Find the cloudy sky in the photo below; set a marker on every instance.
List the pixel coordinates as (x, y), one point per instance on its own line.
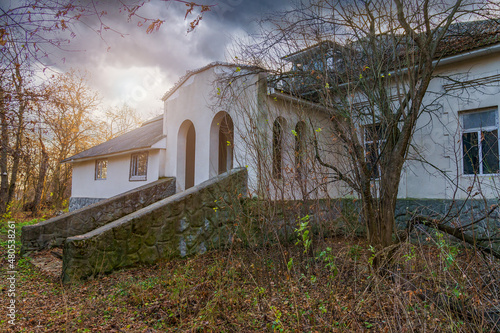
(139, 68)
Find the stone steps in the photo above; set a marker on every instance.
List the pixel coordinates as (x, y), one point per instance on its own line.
(53, 232)
(186, 223)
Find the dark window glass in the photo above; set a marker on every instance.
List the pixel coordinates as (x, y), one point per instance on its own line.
(479, 119)
(371, 151)
(471, 153)
(489, 145)
(300, 161)
(373, 145)
(373, 132)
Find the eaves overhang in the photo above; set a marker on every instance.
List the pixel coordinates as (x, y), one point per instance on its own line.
(98, 157)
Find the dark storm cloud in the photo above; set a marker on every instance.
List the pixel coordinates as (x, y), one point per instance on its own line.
(241, 13)
(207, 42)
(165, 54)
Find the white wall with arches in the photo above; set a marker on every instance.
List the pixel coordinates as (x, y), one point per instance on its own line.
(294, 175)
(191, 108)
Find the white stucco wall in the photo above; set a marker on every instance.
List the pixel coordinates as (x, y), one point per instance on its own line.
(291, 186)
(117, 181)
(438, 136)
(253, 111)
(194, 101)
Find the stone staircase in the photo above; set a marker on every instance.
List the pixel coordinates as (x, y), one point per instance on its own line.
(53, 232)
(142, 226)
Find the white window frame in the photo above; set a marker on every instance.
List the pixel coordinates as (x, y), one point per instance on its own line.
(479, 131)
(134, 168)
(101, 169)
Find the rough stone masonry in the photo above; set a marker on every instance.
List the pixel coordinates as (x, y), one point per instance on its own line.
(53, 232)
(186, 223)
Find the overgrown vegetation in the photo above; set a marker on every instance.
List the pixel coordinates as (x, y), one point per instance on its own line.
(317, 285)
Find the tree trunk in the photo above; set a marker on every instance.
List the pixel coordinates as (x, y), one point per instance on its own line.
(4, 185)
(380, 223)
(41, 180)
(16, 155)
(56, 186)
(456, 232)
(381, 220)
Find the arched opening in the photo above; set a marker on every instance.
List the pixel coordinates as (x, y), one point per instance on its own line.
(278, 131)
(226, 144)
(190, 155)
(221, 144)
(300, 143)
(186, 152)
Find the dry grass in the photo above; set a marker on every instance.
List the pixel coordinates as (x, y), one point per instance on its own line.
(436, 287)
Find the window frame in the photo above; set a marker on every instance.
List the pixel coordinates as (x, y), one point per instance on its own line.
(479, 131)
(134, 160)
(98, 170)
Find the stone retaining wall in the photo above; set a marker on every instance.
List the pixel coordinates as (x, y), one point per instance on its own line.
(54, 231)
(455, 213)
(465, 210)
(186, 223)
(344, 215)
(79, 202)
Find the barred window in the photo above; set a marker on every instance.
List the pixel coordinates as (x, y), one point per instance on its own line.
(480, 142)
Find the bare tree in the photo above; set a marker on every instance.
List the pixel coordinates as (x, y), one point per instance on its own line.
(30, 31)
(67, 116)
(119, 120)
(368, 66)
(40, 184)
(18, 96)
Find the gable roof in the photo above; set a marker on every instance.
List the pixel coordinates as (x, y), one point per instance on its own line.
(190, 73)
(143, 137)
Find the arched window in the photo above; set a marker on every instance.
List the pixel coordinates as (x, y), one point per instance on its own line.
(278, 130)
(300, 142)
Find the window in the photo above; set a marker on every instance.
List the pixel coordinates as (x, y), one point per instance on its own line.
(139, 166)
(373, 135)
(278, 148)
(300, 162)
(480, 142)
(101, 169)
